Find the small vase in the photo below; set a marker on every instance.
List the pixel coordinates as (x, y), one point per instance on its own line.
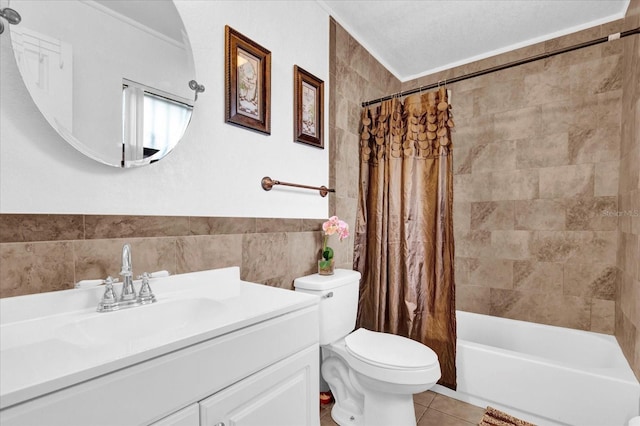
(325, 267)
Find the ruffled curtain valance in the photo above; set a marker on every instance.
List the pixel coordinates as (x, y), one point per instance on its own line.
(411, 129)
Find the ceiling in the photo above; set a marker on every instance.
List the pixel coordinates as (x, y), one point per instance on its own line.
(420, 37)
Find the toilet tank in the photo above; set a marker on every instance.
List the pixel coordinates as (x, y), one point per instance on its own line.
(338, 303)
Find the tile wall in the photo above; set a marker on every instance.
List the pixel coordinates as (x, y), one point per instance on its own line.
(41, 253)
(536, 173)
(355, 76)
(627, 315)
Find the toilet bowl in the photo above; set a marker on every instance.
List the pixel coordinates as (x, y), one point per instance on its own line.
(372, 375)
(377, 376)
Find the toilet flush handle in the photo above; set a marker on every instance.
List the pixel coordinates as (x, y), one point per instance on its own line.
(327, 295)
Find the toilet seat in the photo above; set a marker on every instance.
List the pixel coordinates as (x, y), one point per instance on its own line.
(389, 351)
(392, 365)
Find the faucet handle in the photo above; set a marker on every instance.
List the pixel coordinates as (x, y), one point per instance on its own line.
(109, 292)
(109, 300)
(145, 295)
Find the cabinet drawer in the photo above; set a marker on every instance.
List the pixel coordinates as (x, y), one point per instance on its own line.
(147, 392)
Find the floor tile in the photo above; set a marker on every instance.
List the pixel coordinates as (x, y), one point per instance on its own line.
(325, 408)
(419, 410)
(455, 408)
(436, 418)
(325, 415)
(424, 398)
(327, 421)
(431, 409)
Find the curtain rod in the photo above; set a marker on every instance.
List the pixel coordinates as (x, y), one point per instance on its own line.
(507, 65)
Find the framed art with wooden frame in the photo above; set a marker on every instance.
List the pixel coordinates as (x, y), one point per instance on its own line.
(248, 82)
(308, 107)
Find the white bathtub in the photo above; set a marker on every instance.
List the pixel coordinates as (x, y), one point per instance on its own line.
(544, 374)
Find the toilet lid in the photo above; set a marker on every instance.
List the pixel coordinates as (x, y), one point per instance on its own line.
(389, 350)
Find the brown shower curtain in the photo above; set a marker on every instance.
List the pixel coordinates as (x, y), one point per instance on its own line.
(404, 229)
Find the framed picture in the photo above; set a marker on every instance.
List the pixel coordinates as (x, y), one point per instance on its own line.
(248, 82)
(308, 107)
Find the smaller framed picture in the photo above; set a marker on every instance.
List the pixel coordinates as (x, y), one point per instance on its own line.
(248, 82)
(308, 107)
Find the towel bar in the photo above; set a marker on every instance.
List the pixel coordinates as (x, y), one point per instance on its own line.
(268, 183)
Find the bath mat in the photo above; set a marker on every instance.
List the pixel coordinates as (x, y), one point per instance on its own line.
(493, 417)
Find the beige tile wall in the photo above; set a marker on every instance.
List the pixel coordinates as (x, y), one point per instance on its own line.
(627, 313)
(536, 159)
(51, 252)
(355, 77)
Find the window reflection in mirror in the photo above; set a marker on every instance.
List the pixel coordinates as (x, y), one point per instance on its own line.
(152, 122)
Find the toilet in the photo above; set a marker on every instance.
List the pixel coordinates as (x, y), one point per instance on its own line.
(372, 375)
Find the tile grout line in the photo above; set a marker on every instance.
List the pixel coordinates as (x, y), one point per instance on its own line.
(451, 415)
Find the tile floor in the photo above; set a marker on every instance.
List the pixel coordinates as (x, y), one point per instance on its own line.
(432, 409)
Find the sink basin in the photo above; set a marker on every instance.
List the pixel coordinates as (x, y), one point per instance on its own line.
(143, 326)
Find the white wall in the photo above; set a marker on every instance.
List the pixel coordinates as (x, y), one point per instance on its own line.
(217, 168)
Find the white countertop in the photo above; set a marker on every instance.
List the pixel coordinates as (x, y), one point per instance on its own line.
(53, 340)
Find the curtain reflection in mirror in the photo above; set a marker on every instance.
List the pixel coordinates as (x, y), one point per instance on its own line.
(167, 121)
(132, 125)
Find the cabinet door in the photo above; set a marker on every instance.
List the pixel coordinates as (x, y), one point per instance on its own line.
(284, 394)
(189, 416)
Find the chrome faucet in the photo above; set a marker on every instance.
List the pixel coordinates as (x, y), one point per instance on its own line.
(128, 298)
(128, 295)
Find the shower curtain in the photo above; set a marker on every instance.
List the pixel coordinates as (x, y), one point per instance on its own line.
(404, 245)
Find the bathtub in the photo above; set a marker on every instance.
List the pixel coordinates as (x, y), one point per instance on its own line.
(544, 374)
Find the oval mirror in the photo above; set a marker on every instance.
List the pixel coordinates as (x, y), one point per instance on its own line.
(111, 76)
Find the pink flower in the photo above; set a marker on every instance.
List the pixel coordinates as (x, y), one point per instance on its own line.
(343, 230)
(330, 227)
(336, 226)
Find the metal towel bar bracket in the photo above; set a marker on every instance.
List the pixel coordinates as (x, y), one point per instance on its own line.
(268, 183)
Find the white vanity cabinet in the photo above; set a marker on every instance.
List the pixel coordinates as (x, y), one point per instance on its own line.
(276, 396)
(283, 394)
(189, 416)
(258, 367)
